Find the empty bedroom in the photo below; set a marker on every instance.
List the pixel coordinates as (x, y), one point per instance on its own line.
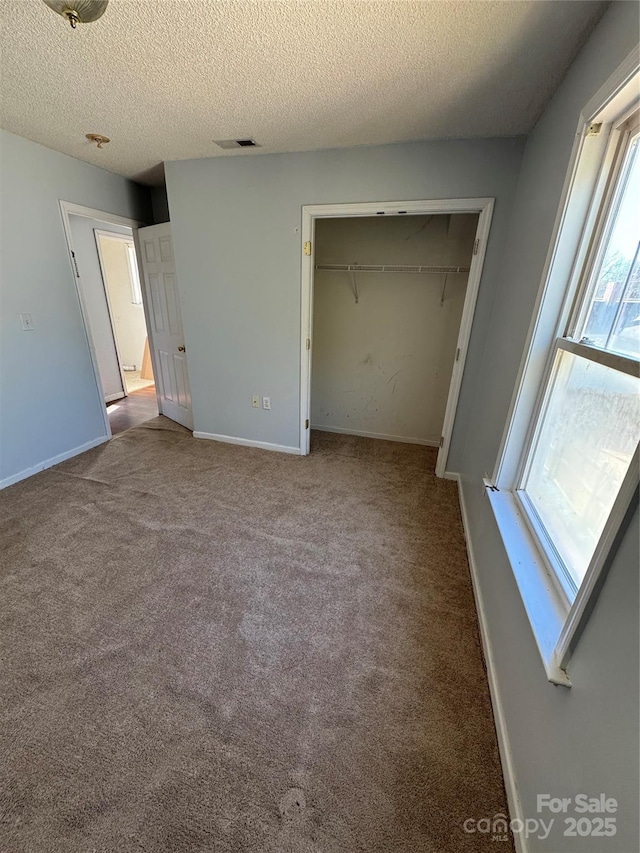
(319, 426)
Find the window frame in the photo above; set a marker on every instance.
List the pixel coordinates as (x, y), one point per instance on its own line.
(557, 612)
(627, 129)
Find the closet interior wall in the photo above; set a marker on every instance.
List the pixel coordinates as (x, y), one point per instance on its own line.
(382, 366)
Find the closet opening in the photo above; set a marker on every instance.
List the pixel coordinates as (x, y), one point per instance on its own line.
(388, 301)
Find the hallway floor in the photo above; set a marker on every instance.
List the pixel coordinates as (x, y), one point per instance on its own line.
(131, 411)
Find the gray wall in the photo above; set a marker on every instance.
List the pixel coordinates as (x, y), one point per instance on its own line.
(383, 366)
(48, 401)
(584, 739)
(160, 204)
(235, 224)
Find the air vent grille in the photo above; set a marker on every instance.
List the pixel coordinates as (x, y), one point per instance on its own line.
(236, 143)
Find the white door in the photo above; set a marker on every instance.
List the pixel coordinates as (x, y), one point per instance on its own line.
(165, 323)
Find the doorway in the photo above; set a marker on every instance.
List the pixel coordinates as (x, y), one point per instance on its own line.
(121, 279)
(387, 307)
(106, 263)
(123, 292)
(147, 281)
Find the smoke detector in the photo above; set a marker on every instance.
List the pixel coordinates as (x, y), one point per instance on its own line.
(236, 143)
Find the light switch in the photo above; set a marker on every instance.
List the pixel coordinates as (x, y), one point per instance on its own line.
(27, 322)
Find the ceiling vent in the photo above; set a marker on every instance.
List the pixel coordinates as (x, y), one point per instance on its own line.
(236, 143)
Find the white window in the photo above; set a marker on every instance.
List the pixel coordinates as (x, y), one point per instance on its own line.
(588, 424)
(569, 464)
(136, 290)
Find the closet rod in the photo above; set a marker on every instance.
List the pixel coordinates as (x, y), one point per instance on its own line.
(391, 268)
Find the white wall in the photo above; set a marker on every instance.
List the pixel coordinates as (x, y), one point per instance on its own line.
(584, 739)
(48, 400)
(383, 366)
(235, 224)
(84, 242)
(128, 317)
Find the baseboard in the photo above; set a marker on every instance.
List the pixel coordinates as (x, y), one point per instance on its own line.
(452, 475)
(401, 438)
(247, 442)
(504, 747)
(54, 460)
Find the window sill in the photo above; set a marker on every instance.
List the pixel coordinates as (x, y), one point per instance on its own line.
(546, 611)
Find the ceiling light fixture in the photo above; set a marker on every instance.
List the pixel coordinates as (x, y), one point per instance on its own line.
(78, 11)
(98, 138)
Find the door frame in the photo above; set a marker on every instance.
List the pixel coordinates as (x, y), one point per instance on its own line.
(68, 208)
(310, 213)
(113, 235)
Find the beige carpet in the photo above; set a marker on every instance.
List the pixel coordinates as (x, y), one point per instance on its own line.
(214, 648)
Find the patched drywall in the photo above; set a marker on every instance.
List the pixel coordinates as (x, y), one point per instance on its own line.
(382, 366)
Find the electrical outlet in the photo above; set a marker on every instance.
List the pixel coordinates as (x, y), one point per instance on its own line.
(27, 322)
(255, 401)
(266, 402)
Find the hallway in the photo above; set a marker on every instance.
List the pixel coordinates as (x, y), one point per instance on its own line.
(133, 410)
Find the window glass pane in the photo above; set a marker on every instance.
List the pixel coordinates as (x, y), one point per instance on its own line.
(613, 317)
(589, 433)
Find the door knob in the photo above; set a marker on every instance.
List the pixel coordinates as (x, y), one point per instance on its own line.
(182, 349)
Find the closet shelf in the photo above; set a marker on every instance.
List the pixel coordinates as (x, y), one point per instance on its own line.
(391, 268)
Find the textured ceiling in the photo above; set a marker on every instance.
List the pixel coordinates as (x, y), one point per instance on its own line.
(164, 79)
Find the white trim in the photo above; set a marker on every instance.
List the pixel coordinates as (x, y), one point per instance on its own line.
(584, 601)
(114, 235)
(464, 334)
(545, 607)
(525, 394)
(611, 88)
(54, 460)
(607, 358)
(451, 475)
(67, 209)
(100, 215)
(427, 442)
(247, 442)
(481, 206)
(504, 745)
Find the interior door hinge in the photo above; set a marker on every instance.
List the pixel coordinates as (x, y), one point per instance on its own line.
(308, 343)
(441, 441)
(476, 246)
(75, 264)
(458, 354)
(307, 247)
(306, 424)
